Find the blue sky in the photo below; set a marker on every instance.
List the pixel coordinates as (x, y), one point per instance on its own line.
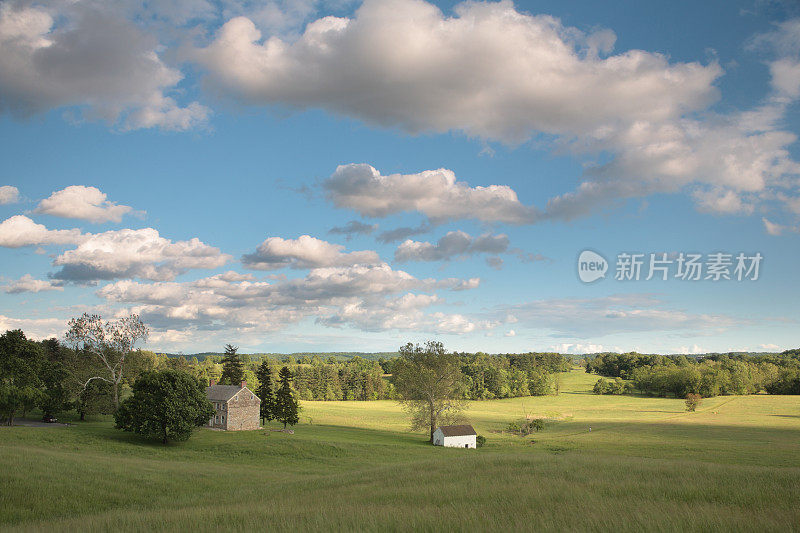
(188, 163)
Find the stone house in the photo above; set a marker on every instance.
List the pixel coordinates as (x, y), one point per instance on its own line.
(462, 436)
(236, 407)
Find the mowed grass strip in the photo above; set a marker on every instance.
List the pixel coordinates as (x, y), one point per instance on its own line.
(645, 465)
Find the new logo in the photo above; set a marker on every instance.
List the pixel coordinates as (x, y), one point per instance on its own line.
(591, 266)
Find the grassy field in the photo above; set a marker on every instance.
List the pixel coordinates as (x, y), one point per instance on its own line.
(734, 465)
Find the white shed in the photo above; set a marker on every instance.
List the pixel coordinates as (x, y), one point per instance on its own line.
(462, 436)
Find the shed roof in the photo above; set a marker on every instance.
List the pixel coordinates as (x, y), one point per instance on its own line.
(222, 393)
(457, 431)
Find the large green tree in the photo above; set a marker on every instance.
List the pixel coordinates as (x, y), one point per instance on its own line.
(21, 362)
(55, 378)
(165, 405)
(232, 366)
(286, 407)
(430, 384)
(264, 390)
(108, 342)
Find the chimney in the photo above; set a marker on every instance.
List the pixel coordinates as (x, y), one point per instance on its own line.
(243, 385)
(213, 382)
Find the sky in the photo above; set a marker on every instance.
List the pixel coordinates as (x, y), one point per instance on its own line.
(351, 176)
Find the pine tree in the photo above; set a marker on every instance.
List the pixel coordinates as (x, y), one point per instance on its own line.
(265, 392)
(286, 407)
(232, 367)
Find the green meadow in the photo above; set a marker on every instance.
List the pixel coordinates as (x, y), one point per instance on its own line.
(646, 464)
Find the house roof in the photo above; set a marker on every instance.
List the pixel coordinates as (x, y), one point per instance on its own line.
(457, 431)
(222, 393)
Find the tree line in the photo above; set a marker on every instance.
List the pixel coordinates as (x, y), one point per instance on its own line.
(714, 375)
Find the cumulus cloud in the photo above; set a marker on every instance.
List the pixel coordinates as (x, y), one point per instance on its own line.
(129, 253)
(721, 202)
(435, 193)
(8, 195)
(504, 75)
(368, 297)
(35, 328)
(81, 202)
(455, 244)
(499, 73)
(354, 227)
(20, 230)
(304, 252)
(85, 55)
(28, 283)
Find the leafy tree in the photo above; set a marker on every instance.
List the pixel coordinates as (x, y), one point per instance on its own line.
(286, 407)
(20, 364)
(692, 401)
(264, 390)
(166, 404)
(96, 398)
(232, 366)
(109, 342)
(539, 383)
(601, 386)
(430, 384)
(55, 378)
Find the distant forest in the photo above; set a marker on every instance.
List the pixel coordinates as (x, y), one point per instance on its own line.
(708, 375)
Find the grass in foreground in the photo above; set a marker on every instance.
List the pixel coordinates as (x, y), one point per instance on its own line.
(645, 464)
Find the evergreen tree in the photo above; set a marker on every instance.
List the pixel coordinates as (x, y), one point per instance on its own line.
(265, 392)
(232, 367)
(286, 407)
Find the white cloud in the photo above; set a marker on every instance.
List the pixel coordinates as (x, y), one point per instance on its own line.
(775, 229)
(368, 297)
(20, 230)
(87, 56)
(721, 202)
(504, 75)
(28, 283)
(693, 350)
(510, 333)
(586, 318)
(81, 202)
(35, 328)
(434, 193)
(8, 195)
(499, 73)
(772, 228)
(786, 77)
(454, 244)
(578, 348)
(139, 253)
(304, 252)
